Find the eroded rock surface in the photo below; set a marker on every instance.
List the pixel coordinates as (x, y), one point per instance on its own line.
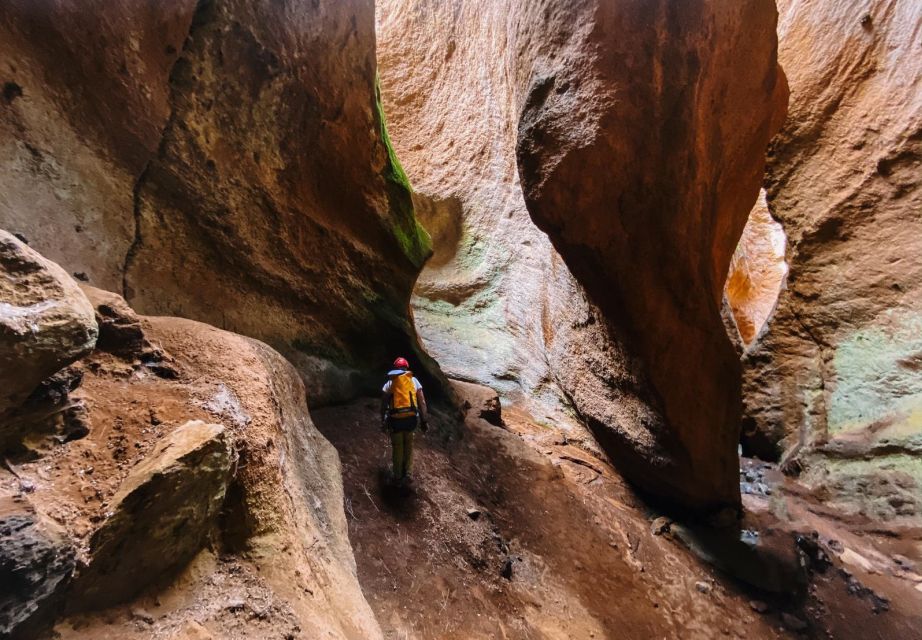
(838, 369)
(166, 529)
(36, 564)
(640, 160)
(161, 514)
(46, 322)
(216, 160)
(757, 272)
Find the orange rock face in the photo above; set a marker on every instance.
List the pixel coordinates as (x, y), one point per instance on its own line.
(225, 163)
(757, 272)
(641, 157)
(837, 370)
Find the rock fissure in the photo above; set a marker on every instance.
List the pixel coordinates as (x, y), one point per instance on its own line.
(137, 189)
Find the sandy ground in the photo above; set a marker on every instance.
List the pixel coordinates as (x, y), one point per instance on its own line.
(584, 560)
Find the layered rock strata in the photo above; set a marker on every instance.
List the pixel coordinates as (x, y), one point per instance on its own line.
(641, 157)
(837, 371)
(217, 160)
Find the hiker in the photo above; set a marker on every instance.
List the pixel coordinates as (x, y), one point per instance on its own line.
(403, 405)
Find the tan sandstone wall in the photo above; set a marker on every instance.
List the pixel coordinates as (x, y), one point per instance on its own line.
(838, 370)
(645, 197)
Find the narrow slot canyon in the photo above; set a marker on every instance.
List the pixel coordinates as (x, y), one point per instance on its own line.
(656, 266)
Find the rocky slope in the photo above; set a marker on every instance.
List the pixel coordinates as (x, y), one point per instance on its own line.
(485, 96)
(196, 500)
(837, 372)
(217, 160)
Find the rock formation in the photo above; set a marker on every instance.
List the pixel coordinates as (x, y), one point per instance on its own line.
(151, 494)
(757, 272)
(838, 369)
(45, 322)
(667, 171)
(486, 96)
(217, 160)
(178, 488)
(36, 564)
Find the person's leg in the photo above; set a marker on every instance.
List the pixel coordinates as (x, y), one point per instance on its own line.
(408, 453)
(397, 453)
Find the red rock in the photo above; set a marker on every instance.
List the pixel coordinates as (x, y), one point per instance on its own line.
(641, 157)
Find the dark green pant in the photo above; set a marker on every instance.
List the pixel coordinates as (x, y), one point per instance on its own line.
(401, 430)
(402, 453)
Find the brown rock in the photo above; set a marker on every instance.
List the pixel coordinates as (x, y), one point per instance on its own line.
(454, 93)
(652, 240)
(45, 321)
(757, 272)
(838, 367)
(495, 305)
(120, 329)
(180, 486)
(223, 161)
(36, 564)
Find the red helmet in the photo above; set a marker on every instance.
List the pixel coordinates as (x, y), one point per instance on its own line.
(401, 363)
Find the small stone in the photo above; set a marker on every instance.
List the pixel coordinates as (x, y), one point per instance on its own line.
(792, 622)
(237, 604)
(141, 614)
(660, 526)
(703, 587)
(506, 571)
(758, 606)
(903, 561)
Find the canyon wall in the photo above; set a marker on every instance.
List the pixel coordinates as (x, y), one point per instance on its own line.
(837, 372)
(757, 273)
(220, 160)
(641, 156)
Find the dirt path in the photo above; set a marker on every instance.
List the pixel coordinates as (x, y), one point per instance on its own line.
(432, 563)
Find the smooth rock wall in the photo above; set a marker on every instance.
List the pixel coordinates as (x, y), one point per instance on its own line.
(222, 160)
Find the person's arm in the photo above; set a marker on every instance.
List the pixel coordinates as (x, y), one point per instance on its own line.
(423, 410)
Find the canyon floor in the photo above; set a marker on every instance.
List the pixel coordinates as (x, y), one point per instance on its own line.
(521, 531)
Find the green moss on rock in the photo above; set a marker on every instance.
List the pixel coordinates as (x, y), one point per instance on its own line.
(413, 239)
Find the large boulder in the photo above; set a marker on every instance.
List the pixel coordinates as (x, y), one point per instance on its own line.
(225, 161)
(160, 514)
(46, 322)
(36, 564)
